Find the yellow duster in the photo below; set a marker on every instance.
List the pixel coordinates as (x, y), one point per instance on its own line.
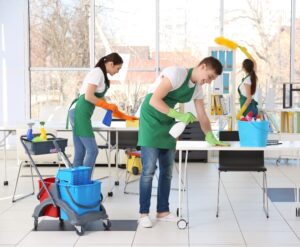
(232, 45)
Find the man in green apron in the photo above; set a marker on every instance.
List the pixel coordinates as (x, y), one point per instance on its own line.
(157, 116)
(247, 89)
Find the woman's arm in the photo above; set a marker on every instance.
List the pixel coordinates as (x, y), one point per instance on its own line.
(90, 94)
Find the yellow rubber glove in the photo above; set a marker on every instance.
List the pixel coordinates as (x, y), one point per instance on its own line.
(240, 113)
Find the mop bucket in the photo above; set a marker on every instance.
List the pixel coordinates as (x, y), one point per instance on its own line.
(82, 199)
(253, 133)
(74, 176)
(43, 195)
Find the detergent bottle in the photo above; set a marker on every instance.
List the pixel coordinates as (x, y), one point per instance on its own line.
(29, 134)
(43, 135)
(249, 116)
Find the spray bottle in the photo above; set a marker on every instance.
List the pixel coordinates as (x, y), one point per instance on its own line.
(177, 129)
(29, 132)
(107, 118)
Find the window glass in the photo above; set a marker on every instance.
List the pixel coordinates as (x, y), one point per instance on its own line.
(59, 33)
(187, 29)
(54, 91)
(263, 27)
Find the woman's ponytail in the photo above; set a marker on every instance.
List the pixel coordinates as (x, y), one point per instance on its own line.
(248, 66)
(112, 57)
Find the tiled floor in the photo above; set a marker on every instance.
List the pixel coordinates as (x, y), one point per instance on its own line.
(241, 221)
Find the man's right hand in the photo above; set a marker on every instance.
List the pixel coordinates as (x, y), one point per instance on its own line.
(182, 117)
(212, 140)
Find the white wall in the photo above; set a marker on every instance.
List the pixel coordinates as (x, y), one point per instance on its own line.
(13, 64)
(13, 68)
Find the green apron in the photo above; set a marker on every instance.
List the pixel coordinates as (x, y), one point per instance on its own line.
(83, 114)
(252, 106)
(154, 125)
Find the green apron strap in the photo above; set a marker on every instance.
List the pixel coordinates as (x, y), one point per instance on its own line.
(67, 121)
(253, 104)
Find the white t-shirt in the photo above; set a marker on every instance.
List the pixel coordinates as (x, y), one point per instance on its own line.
(242, 87)
(95, 77)
(177, 76)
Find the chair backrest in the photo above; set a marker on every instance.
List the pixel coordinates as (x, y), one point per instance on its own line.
(239, 160)
(126, 139)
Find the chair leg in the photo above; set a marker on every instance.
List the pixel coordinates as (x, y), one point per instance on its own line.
(127, 177)
(265, 195)
(218, 201)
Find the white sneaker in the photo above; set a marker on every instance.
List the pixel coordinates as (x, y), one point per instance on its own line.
(168, 218)
(145, 221)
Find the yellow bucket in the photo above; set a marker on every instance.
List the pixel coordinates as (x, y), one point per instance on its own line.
(134, 165)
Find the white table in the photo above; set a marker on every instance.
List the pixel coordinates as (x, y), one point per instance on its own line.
(234, 146)
(7, 131)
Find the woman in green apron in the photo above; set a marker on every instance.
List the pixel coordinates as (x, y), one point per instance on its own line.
(157, 116)
(92, 91)
(247, 89)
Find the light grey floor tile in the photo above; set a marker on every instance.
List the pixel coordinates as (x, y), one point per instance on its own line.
(163, 233)
(106, 238)
(271, 238)
(50, 238)
(216, 238)
(12, 237)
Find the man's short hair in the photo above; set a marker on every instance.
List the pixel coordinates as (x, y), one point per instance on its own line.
(213, 63)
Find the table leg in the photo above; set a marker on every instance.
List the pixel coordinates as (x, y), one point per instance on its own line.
(297, 190)
(5, 157)
(179, 185)
(110, 193)
(182, 223)
(117, 159)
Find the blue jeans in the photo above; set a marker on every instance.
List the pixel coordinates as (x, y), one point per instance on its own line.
(166, 162)
(85, 148)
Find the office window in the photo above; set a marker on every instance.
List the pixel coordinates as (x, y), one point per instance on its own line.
(62, 37)
(53, 91)
(59, 33)
(266, 35)
(187, 29)
(127, 27)
(297, 46)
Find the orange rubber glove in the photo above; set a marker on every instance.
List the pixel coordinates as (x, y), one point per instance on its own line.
(121, 115)
(102, 103)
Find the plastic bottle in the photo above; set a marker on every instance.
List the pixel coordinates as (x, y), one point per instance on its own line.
(107, 118)
(29, 132)
(177, 129)
(249, 116)
(43, 135)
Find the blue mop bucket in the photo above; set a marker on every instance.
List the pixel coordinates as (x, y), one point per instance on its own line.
(82, 198)
(253, 133)
(74, 176)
